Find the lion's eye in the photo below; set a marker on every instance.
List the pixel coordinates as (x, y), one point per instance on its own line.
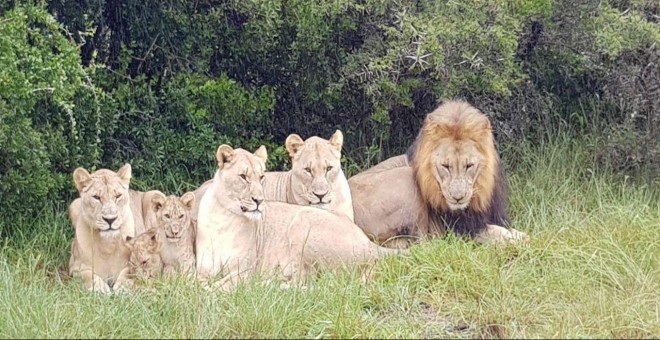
(262, 178)
(243, 177)
(118, 196)
(167, 215)
(446, 166)
(181, 216)
(468, 166)
(328, 168)
(97, 197)
(308, 169)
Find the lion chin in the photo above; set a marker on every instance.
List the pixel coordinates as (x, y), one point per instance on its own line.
(254, 215)
(109, 233)
(457, 207)
(322, 205)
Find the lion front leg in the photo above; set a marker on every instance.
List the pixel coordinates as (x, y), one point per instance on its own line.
(169, 271)
(230, 281)
(294, 276)
(92, 282)
(187, 265)
(123, 282)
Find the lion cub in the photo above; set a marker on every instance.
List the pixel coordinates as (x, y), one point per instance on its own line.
(145, 261)
(176, 229)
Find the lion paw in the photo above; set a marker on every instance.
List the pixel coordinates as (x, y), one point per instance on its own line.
(123, 286)
(99, 286)
(494, 234)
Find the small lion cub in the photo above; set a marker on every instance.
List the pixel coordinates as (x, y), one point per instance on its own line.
(145, 261)
(176, 228)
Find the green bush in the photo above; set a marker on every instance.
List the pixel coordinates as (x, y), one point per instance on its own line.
(41, 135)
(161, 84)
(174, 132)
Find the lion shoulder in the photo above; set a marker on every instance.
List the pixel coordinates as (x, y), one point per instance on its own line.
(143, 215)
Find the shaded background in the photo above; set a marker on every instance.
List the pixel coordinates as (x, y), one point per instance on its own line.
(161, 84)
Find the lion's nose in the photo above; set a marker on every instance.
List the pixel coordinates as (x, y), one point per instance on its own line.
(257, 200)
(320, 196)
(109, 220)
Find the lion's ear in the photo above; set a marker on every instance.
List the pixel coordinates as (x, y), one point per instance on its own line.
(224, 155)
(130, 242)
(81, 178)
(157, 201)
(337, 140)
(262, 154)
(486, 125)
(124, 174)
(188, 200)
(153, 238)
(293, 144)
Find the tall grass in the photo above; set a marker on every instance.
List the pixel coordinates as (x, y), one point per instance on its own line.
(590, 270)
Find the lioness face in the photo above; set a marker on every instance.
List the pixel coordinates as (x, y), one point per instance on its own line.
(241, 178)
(457, 166)
(173, 214)
(145, 259)
(316, 166)
(104, 194)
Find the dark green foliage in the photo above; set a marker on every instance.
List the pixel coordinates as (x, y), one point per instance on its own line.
(161, 84)
(43, 131)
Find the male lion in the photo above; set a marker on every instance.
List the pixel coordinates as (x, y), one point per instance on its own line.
(315, 179)
(145, 261)
(451, 177)
(176, 229)
(102, 220)
(239, 234)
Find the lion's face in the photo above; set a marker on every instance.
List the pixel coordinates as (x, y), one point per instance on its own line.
(104, 195)
(316, 167)
(455, 159)
(145, 259)
(457, 166)
(241, 175)
(173, 214)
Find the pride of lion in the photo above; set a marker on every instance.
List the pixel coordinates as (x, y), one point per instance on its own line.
(248, 222)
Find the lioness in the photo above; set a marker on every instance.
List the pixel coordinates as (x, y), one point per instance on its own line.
(176, 229)
(102, 220)
(140, 203)
(240, 234)
(145, 261)
(315, 179)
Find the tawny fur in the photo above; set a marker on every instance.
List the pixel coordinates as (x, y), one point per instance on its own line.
(176, 232)
(102, 219)
(453, 123)
(309, 174)
(145, 261)
(240, 235)
(402, 196)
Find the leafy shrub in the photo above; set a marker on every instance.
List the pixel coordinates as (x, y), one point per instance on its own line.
(161, 84)
(175, 132)
(41, 84)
